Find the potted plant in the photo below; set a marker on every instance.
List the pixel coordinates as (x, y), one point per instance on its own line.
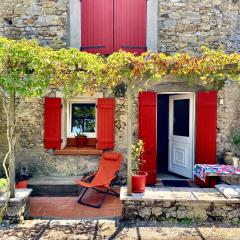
(138, 177)
(81, 139)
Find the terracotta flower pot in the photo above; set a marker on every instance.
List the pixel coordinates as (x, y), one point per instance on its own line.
(22, 184)
(81, 141)
(139, 182)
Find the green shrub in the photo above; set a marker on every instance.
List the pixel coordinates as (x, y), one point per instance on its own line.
(3, 182)
(236, 139)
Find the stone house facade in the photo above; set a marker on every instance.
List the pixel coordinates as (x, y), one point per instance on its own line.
(171, 26)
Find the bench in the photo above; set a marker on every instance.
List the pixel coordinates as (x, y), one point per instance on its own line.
(208, 173)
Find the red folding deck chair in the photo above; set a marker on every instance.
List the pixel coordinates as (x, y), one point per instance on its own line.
(109, 166)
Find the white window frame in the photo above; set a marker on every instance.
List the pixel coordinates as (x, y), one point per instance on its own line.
(69, 116)
(75, 24)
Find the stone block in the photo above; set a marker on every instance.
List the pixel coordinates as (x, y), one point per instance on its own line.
(200, 213)
(169, 23)
(145, 212)
(157, 211)
(235, 213)
(17, 209)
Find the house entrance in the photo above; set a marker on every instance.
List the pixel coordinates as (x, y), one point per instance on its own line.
(175, 135)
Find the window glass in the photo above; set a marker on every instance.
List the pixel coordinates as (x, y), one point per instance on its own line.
(181, 117)
(83, 118)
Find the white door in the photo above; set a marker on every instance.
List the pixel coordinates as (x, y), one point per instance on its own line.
(181, 132)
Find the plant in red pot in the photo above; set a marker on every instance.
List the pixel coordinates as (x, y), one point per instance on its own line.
(81, 139)
(138, 177)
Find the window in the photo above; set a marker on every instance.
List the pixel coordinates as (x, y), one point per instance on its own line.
(92, 25)
(110, 25)
(181, 117)
(82, 118)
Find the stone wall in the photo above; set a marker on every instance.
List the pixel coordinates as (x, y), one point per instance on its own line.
(44, 20)
(181, 211)
(30, 149)
(228, 116)
(180, 204)
(187, 25)
(182, 25)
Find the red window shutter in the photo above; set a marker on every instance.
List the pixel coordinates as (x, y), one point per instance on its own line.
(130, 28)
(147, 132)
(105, 123)
(97, 26)
(206, 114)
(52, 123)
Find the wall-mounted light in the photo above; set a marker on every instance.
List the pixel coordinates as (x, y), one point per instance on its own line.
(120, 90)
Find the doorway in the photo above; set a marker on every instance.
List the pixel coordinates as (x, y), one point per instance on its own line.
(175, 135)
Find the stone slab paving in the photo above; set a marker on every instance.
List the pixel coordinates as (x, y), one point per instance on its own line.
(177, 194)
(112, 229)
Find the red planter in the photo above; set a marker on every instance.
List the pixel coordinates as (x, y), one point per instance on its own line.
(22, 184)
(139, 182)
(81, 141)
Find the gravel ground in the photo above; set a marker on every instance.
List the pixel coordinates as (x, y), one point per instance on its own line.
(113, 229)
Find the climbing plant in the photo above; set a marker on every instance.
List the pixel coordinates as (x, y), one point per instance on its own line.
(25, 70)
(77, 72)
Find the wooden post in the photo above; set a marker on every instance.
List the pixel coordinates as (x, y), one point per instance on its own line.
(12, 144)
(129, 139)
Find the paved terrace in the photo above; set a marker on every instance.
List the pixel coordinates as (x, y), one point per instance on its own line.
(164, 203)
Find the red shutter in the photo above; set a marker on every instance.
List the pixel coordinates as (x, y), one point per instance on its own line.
(97, 26)
(130, 29)
(206, 126)
(52, 123)
(105, 123)
(147, 132)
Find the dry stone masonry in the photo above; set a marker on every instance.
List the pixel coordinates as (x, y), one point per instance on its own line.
(30, 149)
(182, 25)
(187, 25)
(181, 204)
(44, 20)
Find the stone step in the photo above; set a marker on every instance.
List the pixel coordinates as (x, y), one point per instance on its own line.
(199, 205)
(54, 186)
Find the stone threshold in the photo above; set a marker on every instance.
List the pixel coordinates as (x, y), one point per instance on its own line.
(177, 194)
